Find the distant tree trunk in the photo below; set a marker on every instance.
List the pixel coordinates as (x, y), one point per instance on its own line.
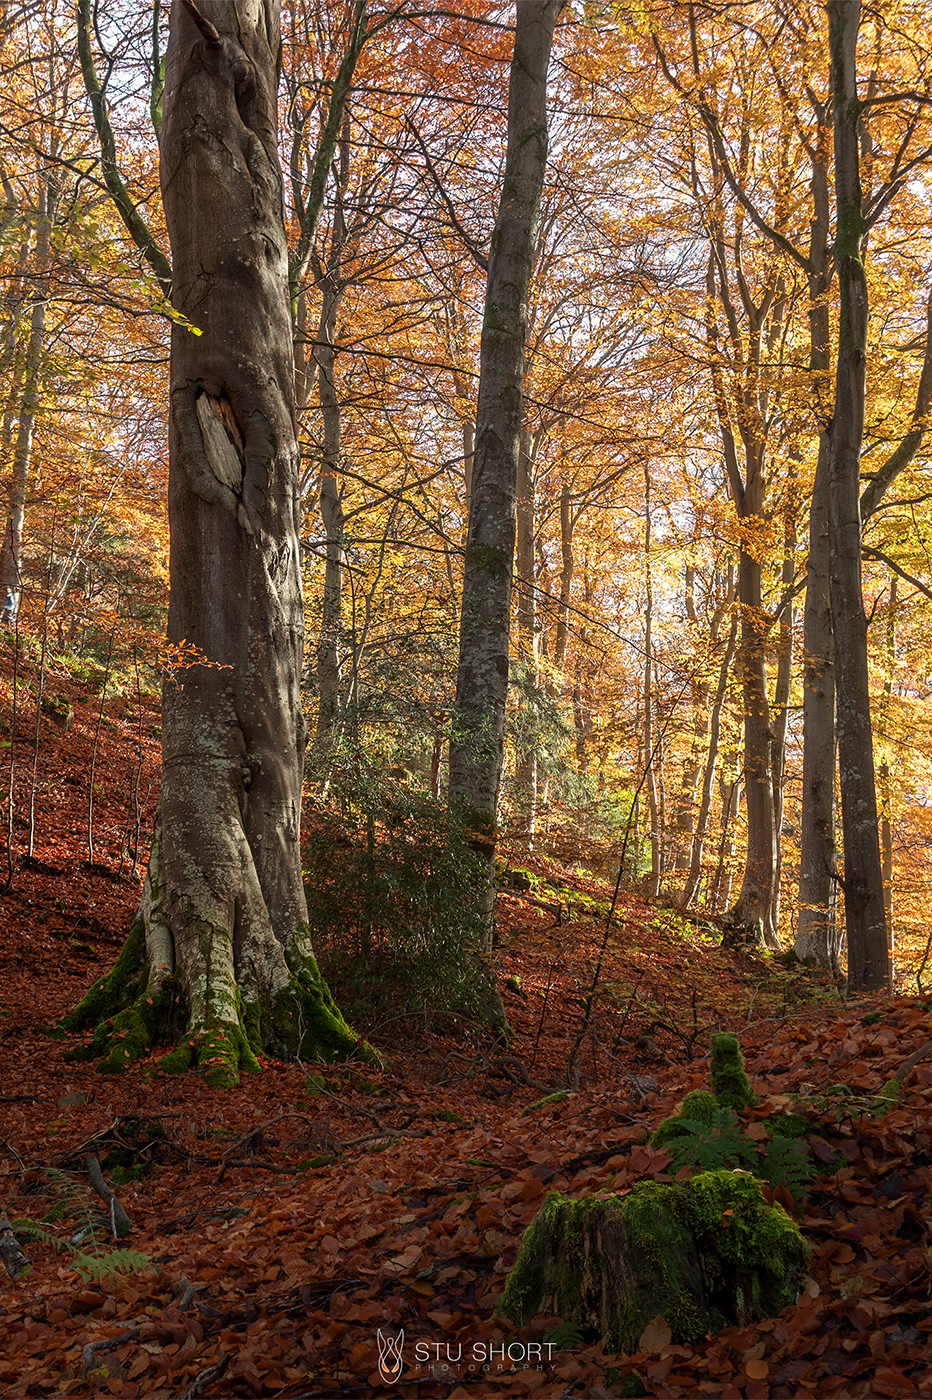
(685, 815)
(693, 877)
(526, 758)
(11, 572)
(729, 792)
(331, 511)
(653, 880)
(781, 701)
(477, 743)
(223, 920)
(567, 568)
(886, 786)
(865, 920)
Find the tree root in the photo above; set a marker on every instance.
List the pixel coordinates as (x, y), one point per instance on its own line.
(120, 1223)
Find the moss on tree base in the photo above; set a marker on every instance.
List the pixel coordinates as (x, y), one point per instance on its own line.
(704, 1254)
(132, 1010)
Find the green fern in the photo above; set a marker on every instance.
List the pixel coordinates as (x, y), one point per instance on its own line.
(781, 1163)
(709, 1147)
(111, 1264)
(565, 1336)
(76, 1203)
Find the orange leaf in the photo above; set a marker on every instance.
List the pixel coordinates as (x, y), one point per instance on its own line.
(757, 1370)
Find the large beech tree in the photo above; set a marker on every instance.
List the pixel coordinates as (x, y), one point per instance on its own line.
(222, 926)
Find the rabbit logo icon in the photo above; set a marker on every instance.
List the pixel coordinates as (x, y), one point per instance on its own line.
(390, 1356)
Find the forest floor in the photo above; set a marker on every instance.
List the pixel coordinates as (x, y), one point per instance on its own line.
(280, 1226)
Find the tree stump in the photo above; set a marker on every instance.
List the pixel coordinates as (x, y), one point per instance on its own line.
(705, 1254)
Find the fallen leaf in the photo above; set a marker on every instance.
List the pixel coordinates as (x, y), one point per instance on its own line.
(655, 1337)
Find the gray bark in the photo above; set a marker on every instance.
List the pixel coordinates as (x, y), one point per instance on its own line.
(477, 742)
(865, 920)
(223, 909)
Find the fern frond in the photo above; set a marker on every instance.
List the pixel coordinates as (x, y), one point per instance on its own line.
(708, 1147)
(781, 1163)
(94, 1268)
(32, 1232)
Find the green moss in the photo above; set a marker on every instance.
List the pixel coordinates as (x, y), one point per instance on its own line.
(887, 1097)
(122, 1176)
(218, 1051)
(789, 1125)
(559, 1097)
(730, 1084)
(119, 1041)
(632, 1386)
(703, 1253)
(699, 1106)
(110, 994)
(307, 1021)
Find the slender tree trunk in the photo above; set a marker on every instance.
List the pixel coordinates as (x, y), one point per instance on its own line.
(567, 567)
(331, 510)
(886, 786)
(865, 921)
(11, 582)
(686, 814)
(781, 701)
(653, 880)
(526, 757)
(477, 744)
(705, 802)
(223, 920)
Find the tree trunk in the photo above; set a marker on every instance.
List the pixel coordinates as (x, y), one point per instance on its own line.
(818, 939)
(886, 785)
(705, 802)
(781, 701)
(331, 511)
(11, 581)
(653, 879)
(477, 743)
(865, 921)
(526, 778)
(222, 925)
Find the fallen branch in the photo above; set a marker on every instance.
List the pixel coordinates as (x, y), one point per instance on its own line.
(511, 1068)
(120, 1223)
(253, 1162)
(909, 1065)
(89, 1353)
(204, 1378)
(14, 1260)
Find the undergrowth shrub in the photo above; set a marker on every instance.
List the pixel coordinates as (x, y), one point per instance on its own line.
(390, 882)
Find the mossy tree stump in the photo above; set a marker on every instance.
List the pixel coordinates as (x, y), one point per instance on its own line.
(705, 1254)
